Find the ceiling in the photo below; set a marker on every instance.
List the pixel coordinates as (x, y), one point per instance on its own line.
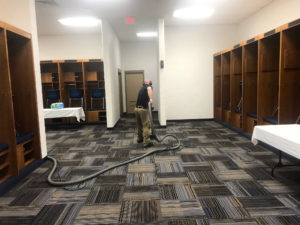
(144, 12)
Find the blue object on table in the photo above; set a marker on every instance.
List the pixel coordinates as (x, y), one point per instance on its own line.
(57, 105)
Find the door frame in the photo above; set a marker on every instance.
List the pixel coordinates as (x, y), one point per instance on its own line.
(120, 76)
(128, 72)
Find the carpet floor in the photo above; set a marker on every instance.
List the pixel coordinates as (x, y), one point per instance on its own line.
(219, 178)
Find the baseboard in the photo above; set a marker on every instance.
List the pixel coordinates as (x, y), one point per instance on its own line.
(12, 181)
(236, 129)
(191, 120)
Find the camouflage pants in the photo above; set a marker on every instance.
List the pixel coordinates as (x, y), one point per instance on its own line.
(143, 125)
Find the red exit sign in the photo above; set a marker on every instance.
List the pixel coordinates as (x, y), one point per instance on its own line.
(129, 20)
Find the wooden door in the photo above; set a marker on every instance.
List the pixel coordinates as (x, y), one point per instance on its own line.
(133, 81)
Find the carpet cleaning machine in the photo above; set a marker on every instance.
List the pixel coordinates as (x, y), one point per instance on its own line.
(169, 146)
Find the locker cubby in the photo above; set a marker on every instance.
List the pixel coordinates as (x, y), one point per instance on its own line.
(84, 75)
(50, 81)
(268, 85)
(72, 77)
(217, 88)
(236, 87)
(225, 72)
(289, 102)
(249, 92)
(18, 102)
(264, 79)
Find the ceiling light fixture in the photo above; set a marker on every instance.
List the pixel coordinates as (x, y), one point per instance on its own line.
(80, 21)
(193, 13)
(146, 34)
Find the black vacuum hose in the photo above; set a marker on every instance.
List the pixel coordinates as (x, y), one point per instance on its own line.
(178, 146)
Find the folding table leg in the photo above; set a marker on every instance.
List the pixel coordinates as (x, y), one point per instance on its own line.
(279, 164)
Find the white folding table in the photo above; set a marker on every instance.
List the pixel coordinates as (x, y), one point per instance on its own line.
(285, 138)
(65, 112)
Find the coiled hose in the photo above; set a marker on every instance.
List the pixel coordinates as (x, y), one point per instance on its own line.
(168, 147)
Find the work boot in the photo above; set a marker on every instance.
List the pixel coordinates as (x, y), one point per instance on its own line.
(148, 145)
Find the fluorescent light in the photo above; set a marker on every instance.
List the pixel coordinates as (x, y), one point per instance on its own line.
(146, 34)
(80, 21)
(193, 13)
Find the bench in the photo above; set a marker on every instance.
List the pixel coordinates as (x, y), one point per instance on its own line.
(24, 148)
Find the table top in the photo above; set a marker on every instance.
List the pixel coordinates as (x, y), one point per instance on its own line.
(283, 137)
(65, 112)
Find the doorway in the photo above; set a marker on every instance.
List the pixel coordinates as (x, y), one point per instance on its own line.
(120, 92)
(133, 82)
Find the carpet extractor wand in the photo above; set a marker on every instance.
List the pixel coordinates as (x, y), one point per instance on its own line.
(168, 147)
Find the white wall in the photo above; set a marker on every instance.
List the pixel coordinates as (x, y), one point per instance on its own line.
(277, 13)
(16, 13)
(83, 46)
(141, 56)
(162, 80)
(21, 14)
(189, 68)
(112, 63)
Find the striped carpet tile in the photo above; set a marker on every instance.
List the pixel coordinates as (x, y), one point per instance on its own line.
(210, 151)
(260, 202)
(223, 208)
(224, 165)
(116, 172)
(24, 199)
(176, 192)
(227, 175)
(175, 208)
(216, 158)
(115, 179)
(145, 168)
(202, 177)
(211, 190)
(191, 158)
(140, 179)
(188, 222)
(244, 188)
(225, 144)
(16, 220)
(289, 201)
(105, 194)
(146, 160)
(107, 214)
(278, 220)
(234, 222)
(260, 173)
(57, 214)
(169, 167)
(97, 162)
(197, 167)
(139, 211)
(170, 175)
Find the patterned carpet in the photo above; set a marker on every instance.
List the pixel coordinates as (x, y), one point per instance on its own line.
(219, 178)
